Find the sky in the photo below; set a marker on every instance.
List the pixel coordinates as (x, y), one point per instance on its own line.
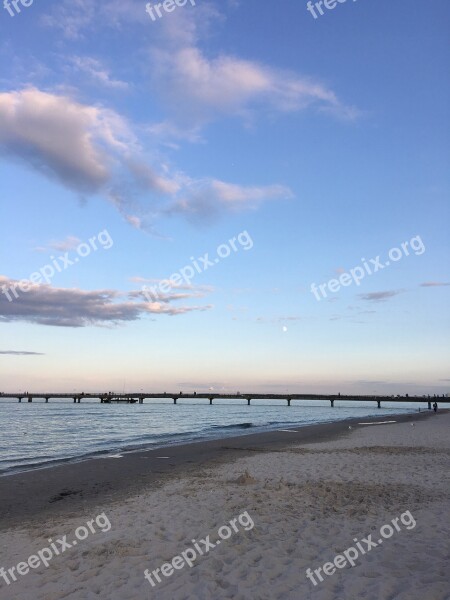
(235, 195)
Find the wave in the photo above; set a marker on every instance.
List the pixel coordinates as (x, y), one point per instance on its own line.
(234, 426)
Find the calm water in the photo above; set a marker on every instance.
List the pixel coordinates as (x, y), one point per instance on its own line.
(37, 434)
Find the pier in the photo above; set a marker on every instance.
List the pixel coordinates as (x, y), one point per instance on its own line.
(138, 398)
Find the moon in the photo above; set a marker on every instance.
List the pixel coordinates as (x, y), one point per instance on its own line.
(284, 328)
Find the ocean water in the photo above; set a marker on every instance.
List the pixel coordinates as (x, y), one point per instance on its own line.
(36, 434)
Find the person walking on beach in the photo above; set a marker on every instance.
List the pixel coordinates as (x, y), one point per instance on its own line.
(435, 407)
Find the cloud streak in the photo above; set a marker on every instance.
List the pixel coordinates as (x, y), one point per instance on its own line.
(434, 284)
(47, 305)
(380, 296)
(69, 243)
(21, 353)
(97, 72)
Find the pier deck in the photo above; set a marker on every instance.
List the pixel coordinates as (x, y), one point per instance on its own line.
(138, 398)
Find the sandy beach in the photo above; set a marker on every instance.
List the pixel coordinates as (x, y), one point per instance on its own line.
(278, 504)
(224, 300)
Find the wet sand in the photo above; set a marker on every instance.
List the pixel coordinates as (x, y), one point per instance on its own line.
(78, 485)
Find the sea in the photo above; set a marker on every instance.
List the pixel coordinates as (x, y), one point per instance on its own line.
(36, 435)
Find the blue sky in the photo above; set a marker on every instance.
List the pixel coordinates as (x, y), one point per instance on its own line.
(320, 141)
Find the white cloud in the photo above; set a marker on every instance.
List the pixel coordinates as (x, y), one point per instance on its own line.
(91, 150)
(236, 195)
(74, 143)
(148, 179)
(210, 87)
(74, 17)
(197, 88)
(71, 17)
(226, 85)
(206, 199)
(98, 73)
(134, 221)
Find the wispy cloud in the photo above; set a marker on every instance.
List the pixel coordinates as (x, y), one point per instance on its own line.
(277, 319)
(355, 312)
(230, 86)
(374, 382)
(97, 72)
(211, 86)
(74, 18)
(47, 305)
(69, 243)
(21, 353)
(434, 284)
(181, 291)
(93, 150)
(215, 86)
(207, 199)
(167, 298)
(281, 319)
(380, 296)
(71, 17)
(173, 285)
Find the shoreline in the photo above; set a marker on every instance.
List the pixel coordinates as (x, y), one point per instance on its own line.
(190, 438)
(283, 506)
(86, 483)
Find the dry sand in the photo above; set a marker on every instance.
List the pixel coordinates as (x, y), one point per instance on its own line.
(308, 502)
